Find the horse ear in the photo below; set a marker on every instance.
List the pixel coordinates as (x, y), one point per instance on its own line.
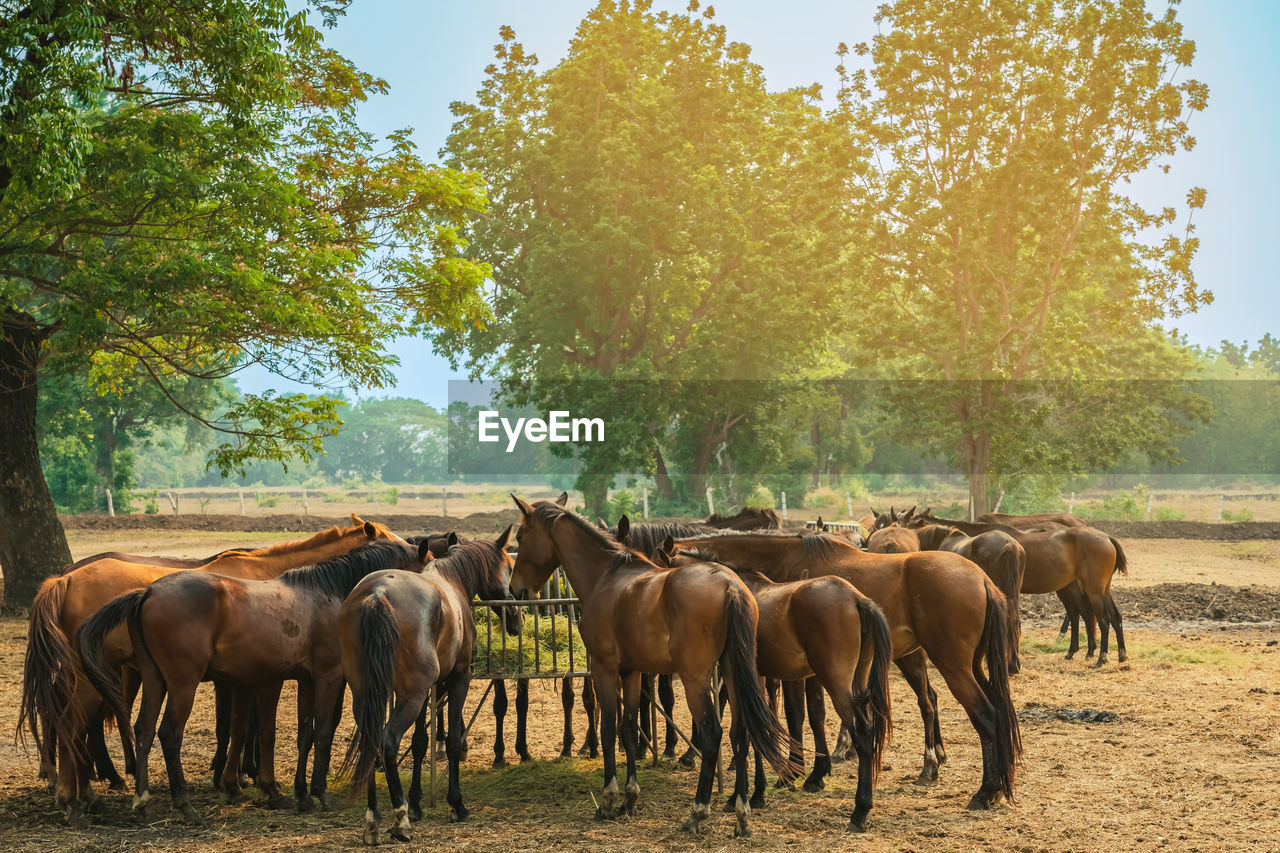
(624, 527)
(424, 552)
(669, 544)
(874, 511)
(909, 514)
(893, 515)
(357, 520)
(450, 540)
(524, 508)
(501, 544)
(563, 499)
(370, 530)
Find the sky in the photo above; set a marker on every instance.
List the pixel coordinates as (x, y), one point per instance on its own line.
(432, 54)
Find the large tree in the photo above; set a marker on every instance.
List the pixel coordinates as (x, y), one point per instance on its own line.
(184, 188)
(658, 216)
(998, 141)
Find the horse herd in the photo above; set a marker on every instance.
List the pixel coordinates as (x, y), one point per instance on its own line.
(818, 612)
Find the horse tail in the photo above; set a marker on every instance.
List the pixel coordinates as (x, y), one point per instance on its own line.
(994, 645)
(379, 641)
(1122, 562)
(1009, 567)
(49, 666)
(106, 679)
(739, 664)
(873, 678)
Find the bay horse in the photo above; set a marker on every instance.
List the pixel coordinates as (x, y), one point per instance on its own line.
(637, 618)
(937, 603)
(996, 553)
(1025, 522)
(823, 634)
(407, 633)
(893, 539)
(1060, 556)
(189, 626)
(747, 518)
(54, 690)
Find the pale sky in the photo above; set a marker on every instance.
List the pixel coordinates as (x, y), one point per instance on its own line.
(434, 53)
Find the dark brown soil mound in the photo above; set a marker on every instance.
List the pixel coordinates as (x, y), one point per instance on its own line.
(1178, 602)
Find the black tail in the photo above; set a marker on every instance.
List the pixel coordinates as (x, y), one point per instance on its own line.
(875, 634)
(1122, 562)
(49, 667)
(994, 645)
(738, 661)
(89, 637)
(379, 639)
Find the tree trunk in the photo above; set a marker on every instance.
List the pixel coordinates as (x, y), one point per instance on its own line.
(32, 543)
(105, 460)
(977, 449)
(711, 438)
(661, 477)
(595, 494)
(819, 458)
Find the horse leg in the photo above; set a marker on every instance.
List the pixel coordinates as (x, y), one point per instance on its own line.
(499, 717)
(522, 719)
(740, 745)
(706, 737)
(327, 702)
(859, 722)
(73, 766)
(667, 698)
(566, 703)
(793, 710)
(817, 702)
(646, 717)
(267, 699)
(982, 714)
(458, 686)
(307, 699)
(418, 749)
(606, 684)
(177, 710)
(591, 745)
(914, 667)
(239, 707)
(221, 729)
(144, 735)
(1098, 602)
(252, 745)
(104, 767)
(1117, 622)
(631, 737)
(402, 716)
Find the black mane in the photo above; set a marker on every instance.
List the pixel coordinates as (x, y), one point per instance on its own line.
(472, 565)
(646, 538)
(547, 512)
(337, 577)
(816, 546)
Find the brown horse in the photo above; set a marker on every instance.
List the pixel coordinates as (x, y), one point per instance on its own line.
(1061, 556)
(408, 632)
(189, 626)
(1024, 522)
(996, 553)
(748, 518)
(825, 634)
(639, 618)
(936, 603)
(893, 540)
(65, 703)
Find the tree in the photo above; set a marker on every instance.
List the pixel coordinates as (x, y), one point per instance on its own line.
(997, 140)
(184, 190)
(658, 217)
(396, 440)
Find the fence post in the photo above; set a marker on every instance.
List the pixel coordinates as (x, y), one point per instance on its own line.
(1150, 498)
(173, 499)
(999, 501)
(374, 495)
(444, 502)
(241, 495)
(1219, 509)
(306, 507)
(711, 506)
(784, 506)
(848, 502)
(1071, 507)
(645, 499)
(111, 507)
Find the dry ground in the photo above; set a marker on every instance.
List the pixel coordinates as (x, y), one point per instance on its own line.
(1189, 762)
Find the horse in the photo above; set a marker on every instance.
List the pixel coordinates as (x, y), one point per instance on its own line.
(936, 603)
(639, 618)
(409, 633)
(996, 553)
(881, 520)
(1024, 522)
(1061, 556)
(893, 540)
(823, 634)
(747, 518)
(67, 706)
(188, 626)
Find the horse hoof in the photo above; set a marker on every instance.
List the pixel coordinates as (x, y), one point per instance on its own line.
(116, 785)
(398, 834)
(982, 801)
(728, 805)
(525, 756)
(1102, 659)
(234, 797)
(854, 826)
(757, 802)
(371, 837)
(690, 826)
(741, 831)
(280, 802)
(415, 812)
(813, 786)
(928, 776)
(1071, 655)
(1123, 656)
(77, 819)
(190, 817)
(306, 805)
(605, 814)
(500, 764)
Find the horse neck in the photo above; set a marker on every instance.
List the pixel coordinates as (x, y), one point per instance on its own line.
(307, 552)
(585, 562)
(468, 586)
(969, 528)
(768, 555)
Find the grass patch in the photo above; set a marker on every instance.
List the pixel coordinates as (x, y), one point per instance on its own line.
(1198, 655)
(1252, 549)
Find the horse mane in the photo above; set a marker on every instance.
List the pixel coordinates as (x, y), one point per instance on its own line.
(547, 512)
(942, 532)
(646, 538)
(470, 565)
(337, 577)
(815, 546)
(333, 534)
(767, 518)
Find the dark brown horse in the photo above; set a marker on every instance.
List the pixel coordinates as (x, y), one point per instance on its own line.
(1062, 556)
(1024, 522)
(996, 553)
(189, 626)
(747, 518)
(412, 633)
(66, 704)
(824, 634)
(936, 603)
(639, 618)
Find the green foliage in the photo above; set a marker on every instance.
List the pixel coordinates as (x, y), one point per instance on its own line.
(1239, 515)
(622, 503)
(823, 498)
(266, 500)
(1121, 506)
(1034, 494)
(760, 498)
(391, 496)
(151, 505)
(1168, 513)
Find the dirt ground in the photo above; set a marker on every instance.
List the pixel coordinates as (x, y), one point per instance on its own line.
(1184, 755)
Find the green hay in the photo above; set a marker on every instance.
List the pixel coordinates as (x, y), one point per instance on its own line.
(542, 650)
